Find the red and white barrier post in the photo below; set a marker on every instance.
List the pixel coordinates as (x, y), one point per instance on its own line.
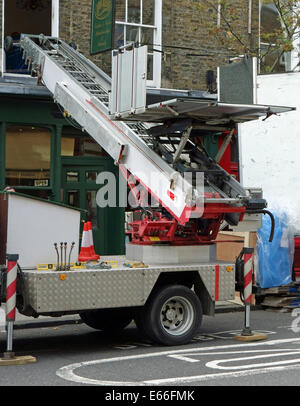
(9, 357)
(247, 334)
(11, 294)
(248, 275)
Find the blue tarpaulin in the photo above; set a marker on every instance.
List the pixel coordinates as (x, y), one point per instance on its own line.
(275, 259)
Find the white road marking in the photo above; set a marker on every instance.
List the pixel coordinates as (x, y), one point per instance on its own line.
(207, 377)
(215, 363)
(292, 326)
(231, 333)
(184, 358)
(67, 372)
(188, 357)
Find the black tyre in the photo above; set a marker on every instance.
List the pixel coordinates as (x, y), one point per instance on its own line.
(172, 316)
(107, 319)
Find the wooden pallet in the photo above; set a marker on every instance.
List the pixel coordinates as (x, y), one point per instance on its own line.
(282, 297)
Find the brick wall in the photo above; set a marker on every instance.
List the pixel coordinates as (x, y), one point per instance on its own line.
(184, 26)
(75, 25)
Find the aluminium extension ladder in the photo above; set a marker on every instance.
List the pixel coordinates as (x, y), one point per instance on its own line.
(83, 90)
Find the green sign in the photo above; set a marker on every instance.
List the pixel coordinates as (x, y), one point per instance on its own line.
(102, 26)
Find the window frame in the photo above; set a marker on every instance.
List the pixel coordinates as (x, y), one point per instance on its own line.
(157, 35)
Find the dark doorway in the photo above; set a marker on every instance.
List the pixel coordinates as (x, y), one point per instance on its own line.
(27, 17)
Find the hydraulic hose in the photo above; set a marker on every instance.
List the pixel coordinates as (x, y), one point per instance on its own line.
(264, 211)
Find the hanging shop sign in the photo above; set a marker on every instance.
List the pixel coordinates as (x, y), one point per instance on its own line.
(102, 29)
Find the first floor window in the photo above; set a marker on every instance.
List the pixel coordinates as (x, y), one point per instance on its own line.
(139, 21)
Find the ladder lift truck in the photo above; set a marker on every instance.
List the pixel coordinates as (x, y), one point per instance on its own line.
(181, 279)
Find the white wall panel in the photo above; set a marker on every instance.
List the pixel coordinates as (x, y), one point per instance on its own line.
(34, 226)
(270, 149)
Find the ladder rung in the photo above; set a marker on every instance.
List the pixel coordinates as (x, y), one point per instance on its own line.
(97, 91)
(89, 83)
(75, 71)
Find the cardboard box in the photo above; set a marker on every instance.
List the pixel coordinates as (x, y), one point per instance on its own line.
(229, 246)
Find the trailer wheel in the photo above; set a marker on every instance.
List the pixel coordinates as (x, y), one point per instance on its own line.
(107, 319)
(172, 316)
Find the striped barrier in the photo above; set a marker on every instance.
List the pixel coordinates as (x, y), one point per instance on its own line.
(9, 357)
(248, 271)
(247, 334)
(11, 287)
(248, 274)
(11, 296)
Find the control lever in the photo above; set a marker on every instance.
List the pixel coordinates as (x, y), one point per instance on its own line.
(57, 253)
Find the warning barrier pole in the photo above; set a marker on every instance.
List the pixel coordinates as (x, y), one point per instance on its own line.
(9, 357)
(247, 334)
(248, 275)
(11, 293)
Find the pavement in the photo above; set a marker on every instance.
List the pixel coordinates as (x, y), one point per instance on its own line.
(24, 322)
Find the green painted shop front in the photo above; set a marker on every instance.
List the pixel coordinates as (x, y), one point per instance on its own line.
(46, 155)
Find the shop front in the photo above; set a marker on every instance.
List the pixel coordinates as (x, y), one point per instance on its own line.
(46, 155)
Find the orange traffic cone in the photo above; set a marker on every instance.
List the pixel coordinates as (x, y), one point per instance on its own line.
(86, 254)
(92, 240)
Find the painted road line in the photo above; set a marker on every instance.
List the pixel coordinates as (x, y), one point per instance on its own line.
(189, 357)
(67, 372)
(215, 363)
(220, 375)
(232, 333)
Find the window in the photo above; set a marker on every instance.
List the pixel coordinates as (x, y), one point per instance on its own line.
(28, 152)
(140, 21)
(75, 143)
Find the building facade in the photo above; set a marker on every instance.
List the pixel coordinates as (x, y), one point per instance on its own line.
(182, 46)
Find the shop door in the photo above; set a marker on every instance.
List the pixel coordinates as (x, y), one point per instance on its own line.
(80, 190)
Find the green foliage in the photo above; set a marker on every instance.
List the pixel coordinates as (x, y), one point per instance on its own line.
(222, 20)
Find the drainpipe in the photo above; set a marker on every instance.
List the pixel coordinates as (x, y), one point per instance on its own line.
(249, 17)
(250, 23)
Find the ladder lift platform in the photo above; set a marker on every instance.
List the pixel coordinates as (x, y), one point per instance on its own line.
(122, 124)
(201, 112)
